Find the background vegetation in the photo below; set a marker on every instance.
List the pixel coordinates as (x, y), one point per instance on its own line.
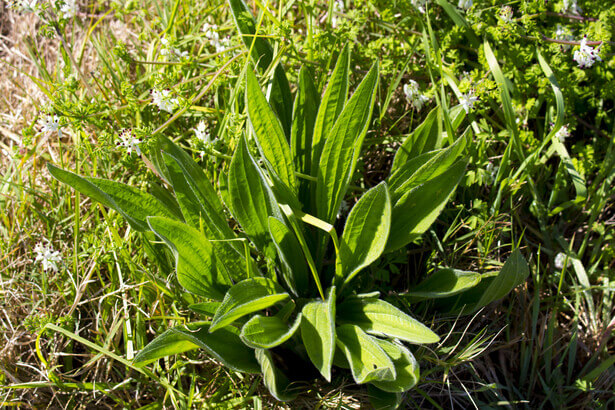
(100, 66)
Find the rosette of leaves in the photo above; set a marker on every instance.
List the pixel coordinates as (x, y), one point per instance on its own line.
(278, 293)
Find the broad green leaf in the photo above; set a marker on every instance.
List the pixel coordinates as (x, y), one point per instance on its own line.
(382, 400)
(267, 332)
(444, 283)
(224, 345)
(190, 207)
(318, 333)
(368, 361)
(343, 143)
(491, 287)
(421, 140)
(330, 106)
(276, 382)
(408, 176)
(198, 269)
(378, 317)
(205, 308)
(406, 367)
(294, 265)
(252, 201)
(262, 54)
(270, 137)
(415, 211)
(366, 232)
(135, 206)
(305, 109)
(245, 297)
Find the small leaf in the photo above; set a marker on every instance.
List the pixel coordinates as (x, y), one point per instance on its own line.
(406, 367)
(245, 297)
(223, 345)
(444, 283)
(267, 332)
(294, 265)
(381, 318)
(269, 134)
(342, 147)
(318, 333)
(135, 206)
(491, 288)
(274, 379)
(252, 201)
(366, 232)
(197, 267)
(416, 210)
(368, 362)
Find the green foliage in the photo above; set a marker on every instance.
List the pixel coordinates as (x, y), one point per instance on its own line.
(266, 203)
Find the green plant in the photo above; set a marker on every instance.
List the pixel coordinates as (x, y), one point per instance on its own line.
(277, 292)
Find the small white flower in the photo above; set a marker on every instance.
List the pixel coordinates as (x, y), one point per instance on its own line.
(211, 33)
(68, 9)
(47, 256)
(493, 172)
(467, 101)
(164, 100)
(414, 96)
(338, 8)
(586, 55)
(50, 123)
(506, 14)
(560, 258)
(464, 4)
(419, 5)
(572, 7)
(129, 141)
(168, 50)
(202, 133)
(562, 133)
(25, 6)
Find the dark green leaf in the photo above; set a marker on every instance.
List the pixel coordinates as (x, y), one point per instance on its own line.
(318, 333)
(267, 332)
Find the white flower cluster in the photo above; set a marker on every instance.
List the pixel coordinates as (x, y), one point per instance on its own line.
(562, 133)
(419, 5)
(48, 257)
(170, 51)
(464, 4)
(586, 55)
(68, 8)
(467, 101)
(507, 14)
(164, 100)
(338, 8)
(414, 96)
(211, 33)
(560, 259)
(571, 6)
(129, 141)
(50, 123)
(202, 134)
(25, 6)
